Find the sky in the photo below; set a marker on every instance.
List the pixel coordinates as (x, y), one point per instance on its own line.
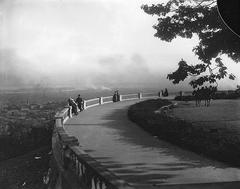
(88, 44)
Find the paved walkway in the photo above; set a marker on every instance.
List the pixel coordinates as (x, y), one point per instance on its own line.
(140, 159)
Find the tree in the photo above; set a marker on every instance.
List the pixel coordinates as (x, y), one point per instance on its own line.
(186, 18)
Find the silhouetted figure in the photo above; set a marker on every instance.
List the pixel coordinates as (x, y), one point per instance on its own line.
(79, 102)
(166, 92)
(116, 96)
(162, 92)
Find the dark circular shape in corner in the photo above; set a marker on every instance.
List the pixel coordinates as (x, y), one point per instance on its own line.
(230, 14)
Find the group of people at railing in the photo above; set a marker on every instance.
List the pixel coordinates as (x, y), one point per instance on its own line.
(164, 93)
(204, 93)
(77, 105)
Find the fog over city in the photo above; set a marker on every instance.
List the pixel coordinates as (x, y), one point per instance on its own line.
(88, 44)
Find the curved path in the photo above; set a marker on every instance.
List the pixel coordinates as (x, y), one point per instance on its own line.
(142, 160)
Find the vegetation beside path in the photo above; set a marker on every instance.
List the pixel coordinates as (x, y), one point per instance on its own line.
(219, 143)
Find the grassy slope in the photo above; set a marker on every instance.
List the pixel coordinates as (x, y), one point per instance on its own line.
(223, 145)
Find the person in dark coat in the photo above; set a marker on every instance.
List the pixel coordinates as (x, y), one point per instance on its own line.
(118, 95)
(115, 97)
(79, 102)
(73, 104)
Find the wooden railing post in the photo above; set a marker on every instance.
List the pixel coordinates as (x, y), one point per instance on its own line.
(139, 95)
(100, 100)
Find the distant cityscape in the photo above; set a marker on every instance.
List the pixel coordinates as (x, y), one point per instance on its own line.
(19, 112)
(26, 116)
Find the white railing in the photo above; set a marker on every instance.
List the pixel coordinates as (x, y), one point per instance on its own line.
(130, 97)
(91, 103)
(109, 99)
(89, 172)
(151, 95)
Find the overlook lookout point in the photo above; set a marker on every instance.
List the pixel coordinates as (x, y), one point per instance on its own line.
(101, 148)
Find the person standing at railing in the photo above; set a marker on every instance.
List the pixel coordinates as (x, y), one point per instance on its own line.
(79, 102)
(166, 92)
(116, 96)
(73, 104)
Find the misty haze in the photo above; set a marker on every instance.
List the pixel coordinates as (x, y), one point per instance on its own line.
(87, 44)
(117, 94)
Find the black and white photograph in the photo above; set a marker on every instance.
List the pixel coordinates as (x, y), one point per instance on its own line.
(119, 94)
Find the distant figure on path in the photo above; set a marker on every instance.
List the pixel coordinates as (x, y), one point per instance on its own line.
(165, 92)
(73, 104)
(79, 102)
(162, 92)
(116, 96)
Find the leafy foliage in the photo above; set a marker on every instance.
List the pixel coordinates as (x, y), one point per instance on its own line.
(186, 18)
